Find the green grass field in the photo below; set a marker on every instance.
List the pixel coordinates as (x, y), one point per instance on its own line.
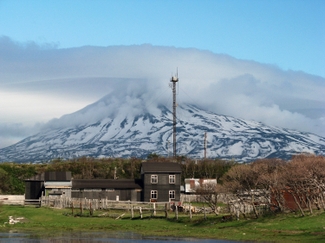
(45, 222)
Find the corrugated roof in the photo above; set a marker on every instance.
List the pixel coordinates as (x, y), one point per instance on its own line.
(106, 184)
(58, 184)
(160, 167)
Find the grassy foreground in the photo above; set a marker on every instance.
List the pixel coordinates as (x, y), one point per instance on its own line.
(280, 228)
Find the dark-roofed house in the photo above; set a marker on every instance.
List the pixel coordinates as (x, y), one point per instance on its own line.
(161, 181)
(121, 189)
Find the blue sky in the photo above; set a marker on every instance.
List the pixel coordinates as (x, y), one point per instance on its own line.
(289, 34)
(257, 60)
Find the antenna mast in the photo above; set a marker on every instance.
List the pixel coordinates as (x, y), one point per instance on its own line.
(174, 80)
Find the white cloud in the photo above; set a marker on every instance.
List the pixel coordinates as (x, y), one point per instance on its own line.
(13, 132)
(41, 83)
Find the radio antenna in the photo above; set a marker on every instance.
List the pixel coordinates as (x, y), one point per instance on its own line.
(174, 80)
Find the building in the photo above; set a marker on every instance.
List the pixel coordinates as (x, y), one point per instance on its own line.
(120, 189)
(48, 183)
(160, 182)
(194, 184)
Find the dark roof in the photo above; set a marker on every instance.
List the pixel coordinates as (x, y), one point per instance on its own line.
(160, 167)
(57, 175)
(106, 184)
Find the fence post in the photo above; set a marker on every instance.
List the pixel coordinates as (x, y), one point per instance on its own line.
(140, 210)
(176, 212)
(80, 207)
(154, 209)
(166, 212)
(190, 208)
(132, 212)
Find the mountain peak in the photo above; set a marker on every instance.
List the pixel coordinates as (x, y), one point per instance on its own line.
(136, 131)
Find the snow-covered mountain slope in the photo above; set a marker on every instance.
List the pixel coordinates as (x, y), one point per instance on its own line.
(118, 134)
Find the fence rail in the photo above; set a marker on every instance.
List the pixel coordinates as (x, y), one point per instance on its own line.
(67, 202)
(36, 202)
(84, 204)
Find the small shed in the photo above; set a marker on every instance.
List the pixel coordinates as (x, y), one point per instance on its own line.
(50, 182)
(57, 188)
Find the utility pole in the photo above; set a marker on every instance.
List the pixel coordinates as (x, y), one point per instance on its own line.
(115, 173)
(168, 149)
(205, 145)
(174, 80)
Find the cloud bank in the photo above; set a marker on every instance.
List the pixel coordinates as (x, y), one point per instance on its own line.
(39, 83)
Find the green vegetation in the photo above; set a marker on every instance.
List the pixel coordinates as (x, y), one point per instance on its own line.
(45, 222)
(12, 177)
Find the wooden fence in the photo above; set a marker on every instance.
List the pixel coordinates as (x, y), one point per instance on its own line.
(136, 209)
(12, 199)
(96, 204)
(117, 209)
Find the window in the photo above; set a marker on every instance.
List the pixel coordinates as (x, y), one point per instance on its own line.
(171, 194)
(154, 194)
(171, 179)
(154, 179)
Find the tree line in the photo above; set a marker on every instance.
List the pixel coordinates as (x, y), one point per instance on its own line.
(296, 185)
(12, 175)
(265, 180)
